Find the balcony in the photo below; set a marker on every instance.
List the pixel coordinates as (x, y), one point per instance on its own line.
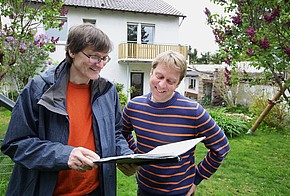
(132, 52)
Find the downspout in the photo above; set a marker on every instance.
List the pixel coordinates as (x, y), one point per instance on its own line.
(128, 80)
(181, 20)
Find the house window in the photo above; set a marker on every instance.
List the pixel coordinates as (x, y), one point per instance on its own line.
(62, 34)
(192, 84)
(132, 33)
(140, 33)
(147, 32)
(91, 21)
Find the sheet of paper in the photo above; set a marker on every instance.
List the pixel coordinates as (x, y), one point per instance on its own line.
(161, 154)
(176, 148)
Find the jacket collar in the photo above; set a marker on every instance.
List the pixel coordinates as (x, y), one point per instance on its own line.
(57, 78)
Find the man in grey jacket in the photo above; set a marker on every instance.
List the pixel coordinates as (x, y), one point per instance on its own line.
(63, 120)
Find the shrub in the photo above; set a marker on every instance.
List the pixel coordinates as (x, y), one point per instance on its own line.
(278, 116)
(231, 125)
(122, 96)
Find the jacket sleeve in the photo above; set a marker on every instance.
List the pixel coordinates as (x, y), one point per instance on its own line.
(217, 143)
(128, 128)
(121, 143)
(25, 140)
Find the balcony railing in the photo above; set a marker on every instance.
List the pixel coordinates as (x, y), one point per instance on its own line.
(146, 52)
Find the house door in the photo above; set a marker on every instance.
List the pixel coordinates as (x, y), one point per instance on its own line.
(137, 81)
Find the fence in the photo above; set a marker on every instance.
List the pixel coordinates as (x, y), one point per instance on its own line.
(6, 164)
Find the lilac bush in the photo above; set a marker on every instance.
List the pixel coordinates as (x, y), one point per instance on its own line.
(23, 52)
(256, 32)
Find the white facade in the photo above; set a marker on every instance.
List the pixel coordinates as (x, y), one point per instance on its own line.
(114, 24)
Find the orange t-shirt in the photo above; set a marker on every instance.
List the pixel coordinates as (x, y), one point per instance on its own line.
(72, 182)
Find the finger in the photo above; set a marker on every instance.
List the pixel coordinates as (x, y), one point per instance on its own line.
(89, 153)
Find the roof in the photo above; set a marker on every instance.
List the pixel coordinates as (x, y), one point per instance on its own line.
(140, 6)
(192, 73)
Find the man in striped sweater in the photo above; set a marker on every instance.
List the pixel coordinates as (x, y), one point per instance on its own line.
(164, 116)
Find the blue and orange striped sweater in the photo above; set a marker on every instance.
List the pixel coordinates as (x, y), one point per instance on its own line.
(178, 119)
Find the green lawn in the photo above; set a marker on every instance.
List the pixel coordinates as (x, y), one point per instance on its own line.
(257, 164)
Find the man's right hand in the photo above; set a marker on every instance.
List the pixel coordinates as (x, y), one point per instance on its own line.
(81, 159)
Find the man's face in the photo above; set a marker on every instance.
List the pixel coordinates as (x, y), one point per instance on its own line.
(83, 68)
(163, 82)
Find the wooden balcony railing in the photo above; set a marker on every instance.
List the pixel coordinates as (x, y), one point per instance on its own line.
(146, 52)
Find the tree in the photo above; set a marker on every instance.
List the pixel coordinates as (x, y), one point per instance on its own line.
(23, 52)
(206, 58)
(255, 31)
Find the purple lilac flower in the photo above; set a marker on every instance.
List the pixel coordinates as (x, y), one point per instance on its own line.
(251, 32)
(228, 77)
(61, 24)
(22, 48)
(272, 16)
(54, 40)
(250, 52)
(228, 60)
(237, 20)
(63, 11)
(207, 12)
(287, 50)
(2, 32)
(9, 38)
(264, 43)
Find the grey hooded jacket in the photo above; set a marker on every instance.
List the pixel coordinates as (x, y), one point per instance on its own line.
(39, 128)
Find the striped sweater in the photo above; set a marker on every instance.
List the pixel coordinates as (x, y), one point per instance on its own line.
(178, 119)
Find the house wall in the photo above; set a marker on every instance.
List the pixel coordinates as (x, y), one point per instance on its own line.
(114, 24)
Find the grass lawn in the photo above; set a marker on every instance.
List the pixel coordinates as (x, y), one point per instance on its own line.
(257, 164)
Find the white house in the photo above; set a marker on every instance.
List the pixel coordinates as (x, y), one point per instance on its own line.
(123, 21)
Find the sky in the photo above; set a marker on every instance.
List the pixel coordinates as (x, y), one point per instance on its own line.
(194, 31)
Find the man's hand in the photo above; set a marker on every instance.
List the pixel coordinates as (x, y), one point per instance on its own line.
(81, 159)
(128, 169)
(191, 190)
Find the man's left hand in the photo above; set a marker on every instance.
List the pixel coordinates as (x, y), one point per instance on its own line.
(128, 169)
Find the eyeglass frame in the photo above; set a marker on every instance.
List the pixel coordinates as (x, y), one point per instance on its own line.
(97, 59)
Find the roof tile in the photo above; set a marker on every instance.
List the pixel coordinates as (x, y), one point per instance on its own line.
(140, 6)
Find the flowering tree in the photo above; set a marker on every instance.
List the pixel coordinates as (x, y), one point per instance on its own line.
(256, 31)
(23, 52)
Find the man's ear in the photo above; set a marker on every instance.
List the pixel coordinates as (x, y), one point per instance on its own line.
(71, 54)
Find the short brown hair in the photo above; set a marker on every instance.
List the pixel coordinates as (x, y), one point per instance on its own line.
(173, 60)
(87, 36)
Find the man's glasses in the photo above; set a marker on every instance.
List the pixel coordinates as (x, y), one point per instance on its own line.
(96, 59)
